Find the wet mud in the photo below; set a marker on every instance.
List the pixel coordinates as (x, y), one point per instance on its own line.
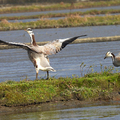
(57, 105)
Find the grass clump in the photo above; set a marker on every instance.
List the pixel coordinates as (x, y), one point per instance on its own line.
(93, 86)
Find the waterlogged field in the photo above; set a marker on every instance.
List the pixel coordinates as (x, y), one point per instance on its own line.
(72, 19)
(82, 73)
(60, 15)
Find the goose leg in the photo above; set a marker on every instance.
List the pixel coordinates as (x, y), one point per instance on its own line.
(47, 75)
(36, 76)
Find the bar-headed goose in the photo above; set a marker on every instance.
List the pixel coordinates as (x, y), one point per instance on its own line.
(115, 59)
(39, 54)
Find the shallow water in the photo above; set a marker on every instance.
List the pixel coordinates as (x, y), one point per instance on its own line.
(104, 112)
(15, 65)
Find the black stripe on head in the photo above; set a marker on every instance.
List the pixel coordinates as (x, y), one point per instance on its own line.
(29, 29)
(113, 55)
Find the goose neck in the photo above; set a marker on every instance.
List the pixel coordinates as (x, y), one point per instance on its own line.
(33, 42)
(113, 57)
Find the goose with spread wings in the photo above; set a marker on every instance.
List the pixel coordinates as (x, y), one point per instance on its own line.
(39, 54)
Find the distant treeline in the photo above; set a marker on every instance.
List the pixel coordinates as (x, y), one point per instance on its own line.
(3, 2)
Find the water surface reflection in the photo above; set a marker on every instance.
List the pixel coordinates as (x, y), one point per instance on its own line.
(106, 112)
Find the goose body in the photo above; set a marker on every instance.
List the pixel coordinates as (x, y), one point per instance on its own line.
(39, 54)
(115, 59)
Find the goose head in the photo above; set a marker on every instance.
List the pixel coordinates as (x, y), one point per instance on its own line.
(30, 32)
(109, 54)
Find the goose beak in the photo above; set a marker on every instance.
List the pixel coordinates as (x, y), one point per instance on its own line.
(105, 57)
(25, 30)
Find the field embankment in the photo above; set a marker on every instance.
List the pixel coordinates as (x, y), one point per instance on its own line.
(92, 87)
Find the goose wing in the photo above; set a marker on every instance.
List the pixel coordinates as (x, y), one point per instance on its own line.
(118, 55)
(117, 58)
(57, 45)
(21, 45)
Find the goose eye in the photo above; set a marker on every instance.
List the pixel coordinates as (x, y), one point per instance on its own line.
(29, 29)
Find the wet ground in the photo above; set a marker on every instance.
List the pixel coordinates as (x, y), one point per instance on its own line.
(66, 110)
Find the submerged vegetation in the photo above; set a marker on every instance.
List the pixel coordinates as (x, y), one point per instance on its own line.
(73, 21)
(92, 87)
(62, 5)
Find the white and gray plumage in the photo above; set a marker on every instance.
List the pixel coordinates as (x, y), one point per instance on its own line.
(115, 59)
(39, 54)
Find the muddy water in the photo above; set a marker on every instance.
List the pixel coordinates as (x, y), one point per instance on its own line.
(105, 112)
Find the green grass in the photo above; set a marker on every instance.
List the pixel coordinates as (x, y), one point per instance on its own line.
(62, 5)
(92, 86)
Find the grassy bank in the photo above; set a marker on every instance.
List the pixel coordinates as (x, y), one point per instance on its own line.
(91, 87)
(59, 6)
(73, 21)
(50, 15)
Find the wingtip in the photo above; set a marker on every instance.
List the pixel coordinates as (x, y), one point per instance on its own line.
(82, 35)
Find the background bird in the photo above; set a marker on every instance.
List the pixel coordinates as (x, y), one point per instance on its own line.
(115, 59)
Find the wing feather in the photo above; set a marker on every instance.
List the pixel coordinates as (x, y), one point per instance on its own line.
(21, 45)
(57, 45)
